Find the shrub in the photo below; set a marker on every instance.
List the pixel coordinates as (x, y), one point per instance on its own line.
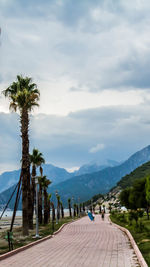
(140, 213)
(133, 215)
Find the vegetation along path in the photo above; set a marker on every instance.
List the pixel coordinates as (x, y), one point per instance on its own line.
(81, 243)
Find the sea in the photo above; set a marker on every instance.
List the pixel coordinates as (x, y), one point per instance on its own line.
(9, 213)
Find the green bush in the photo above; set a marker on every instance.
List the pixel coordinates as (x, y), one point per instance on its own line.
(140, 213)
(121, 217)
(141, 227)
(133, 215)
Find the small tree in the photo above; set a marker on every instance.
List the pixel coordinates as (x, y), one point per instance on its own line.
(83, 206)
(62, 209)
(45, 184)
(36, 159)
(53, 215)
(147, 188)
(80, 208)
(69, 207)
(74, 210)
(58, 207)
(110, 207)
(77, 207)
(49, 206)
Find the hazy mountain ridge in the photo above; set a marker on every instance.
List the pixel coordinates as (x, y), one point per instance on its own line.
(95, 167)
(87, 185)
(55, 174)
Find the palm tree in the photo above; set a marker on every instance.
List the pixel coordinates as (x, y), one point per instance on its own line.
(83, 206)
(80, 207)
(40, 196)
(62, 209)
(36, 159)
(44, 183)
(74, 206)
(77, 207)
(69, 207)
(58, 207)
(53, 215)
(49, 206)
(24, 96)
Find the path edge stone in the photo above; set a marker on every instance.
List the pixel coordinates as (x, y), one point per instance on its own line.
(138, 253)
(17, 250)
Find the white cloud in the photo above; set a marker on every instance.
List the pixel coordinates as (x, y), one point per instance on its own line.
(97, 148)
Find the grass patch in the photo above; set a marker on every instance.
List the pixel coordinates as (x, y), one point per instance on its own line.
(140, 231)
(19, 240)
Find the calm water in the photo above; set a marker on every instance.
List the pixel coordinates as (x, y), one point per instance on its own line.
(9, 213)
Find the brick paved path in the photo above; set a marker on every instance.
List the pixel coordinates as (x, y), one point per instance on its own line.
(82, 243)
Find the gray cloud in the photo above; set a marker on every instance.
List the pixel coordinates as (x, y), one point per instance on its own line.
(67, 141)
(95, 43)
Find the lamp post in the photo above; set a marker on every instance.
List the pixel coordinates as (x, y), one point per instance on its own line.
(37, 219)
(57, 206)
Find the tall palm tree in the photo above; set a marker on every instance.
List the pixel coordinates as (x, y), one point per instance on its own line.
(83, 206)
(24, 96)
(44, 183)
(74, 211)
(62, 209)
(69, 207)
(40, 196)
(49, 206)
(80, 207)
(36, 159)
(53, 215)
(77, 208)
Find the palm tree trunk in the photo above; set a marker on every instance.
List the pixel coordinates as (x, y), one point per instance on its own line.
(30, 206)
(53, 211)
(83, 207)
(62, 211)
(45, 207)
(49, 210)
(53, 215)
(25, 169)
(31, 202)
(40, 204)
(74, 211)
(77, 209)
(70, 213)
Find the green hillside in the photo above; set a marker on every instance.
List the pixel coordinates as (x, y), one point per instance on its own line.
(138, 173)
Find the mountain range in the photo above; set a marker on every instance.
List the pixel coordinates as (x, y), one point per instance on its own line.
(53, 173)
(88, 184)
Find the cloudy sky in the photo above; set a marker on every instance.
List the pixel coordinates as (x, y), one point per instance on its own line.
(91, 62)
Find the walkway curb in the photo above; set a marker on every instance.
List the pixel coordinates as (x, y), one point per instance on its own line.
(138, 253)
(17, 250)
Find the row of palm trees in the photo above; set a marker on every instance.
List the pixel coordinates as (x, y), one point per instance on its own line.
(77, 208)
(24, 95)
(36, 159)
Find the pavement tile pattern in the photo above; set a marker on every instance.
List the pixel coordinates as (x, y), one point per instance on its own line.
(81, 243)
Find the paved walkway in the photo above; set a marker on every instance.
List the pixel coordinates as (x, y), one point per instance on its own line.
(82, 243)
